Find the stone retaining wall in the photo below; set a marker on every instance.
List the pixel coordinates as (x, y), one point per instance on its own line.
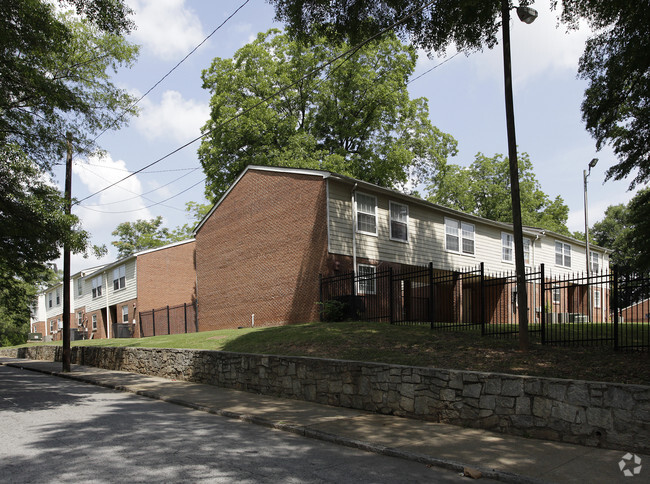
(590, 413)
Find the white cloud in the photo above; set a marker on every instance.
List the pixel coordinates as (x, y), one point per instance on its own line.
(166, 28)
(174, 118)
(111, 207)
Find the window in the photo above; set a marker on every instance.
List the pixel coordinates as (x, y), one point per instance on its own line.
(97, 286)
(49, 299)
(80, 318)
(80, 287)
(399, 219)
(366, 213)
(125, 314)
(58, 297)
(562, 254)
(51, 325)
(527, 251)
(367, 279)
(507, 245)
(597, 299)
(459, 236)
(119, 278)
(595, 262)
(94, 322)
(556, 295)
(508, 248)
(467, 231)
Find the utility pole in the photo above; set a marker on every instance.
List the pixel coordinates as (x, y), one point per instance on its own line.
(66, 260)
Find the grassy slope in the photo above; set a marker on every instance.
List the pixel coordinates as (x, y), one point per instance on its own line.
(410, 345)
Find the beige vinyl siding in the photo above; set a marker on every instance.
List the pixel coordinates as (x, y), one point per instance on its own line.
(426, 234)
(114, 297)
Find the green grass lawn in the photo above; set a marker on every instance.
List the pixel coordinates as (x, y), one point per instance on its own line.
(411, 345)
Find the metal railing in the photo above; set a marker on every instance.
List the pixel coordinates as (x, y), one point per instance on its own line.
(169, 320)
(604, 309)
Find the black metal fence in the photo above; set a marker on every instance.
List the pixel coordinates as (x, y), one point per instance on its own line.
(169, 320)
(577, 309)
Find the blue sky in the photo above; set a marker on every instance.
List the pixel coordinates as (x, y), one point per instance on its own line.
(465, 99)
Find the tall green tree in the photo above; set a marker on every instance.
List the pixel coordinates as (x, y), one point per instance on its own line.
(615, 63)
(55, 73)
(626, 230)
(353, 117)
(483, 189)
(141, 235)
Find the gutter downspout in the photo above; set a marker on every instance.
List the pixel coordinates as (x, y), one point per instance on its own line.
(354, 229)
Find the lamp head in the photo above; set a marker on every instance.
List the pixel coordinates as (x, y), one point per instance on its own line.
(593, 162)
(527, 14)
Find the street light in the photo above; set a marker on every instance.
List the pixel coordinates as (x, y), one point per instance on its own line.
(526, 15)
(585, 174)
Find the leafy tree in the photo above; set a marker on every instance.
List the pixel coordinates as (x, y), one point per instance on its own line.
(483, 189)
(626, 229)
(33, 229)
(140, 235)
(148, 234)
(615, 63)
(354, 117)
(55, 75)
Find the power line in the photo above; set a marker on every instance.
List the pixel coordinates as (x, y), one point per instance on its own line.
(434, 67)
(129, 171)
(172, 70)
(148, 206)
(266, 99)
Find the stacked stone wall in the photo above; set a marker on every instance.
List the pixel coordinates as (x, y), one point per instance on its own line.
(590, 413)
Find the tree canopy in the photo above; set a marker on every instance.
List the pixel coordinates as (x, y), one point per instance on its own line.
(483, 189)
(55, 75)
(615, 63)
(626, 229)
(353, 117)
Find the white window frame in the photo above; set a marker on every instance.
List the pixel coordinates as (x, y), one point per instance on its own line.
(51, 326)
(563, 251)
(556, 295)
(58, 296)
(125, 313)
(49, 299)
(97, 283)
(80, 287)
(594, 261)
(372, 214)
(528, 244)
(507, 247)
(369, 285)
(461, 232)
(119, 277)
(80, 318)
(94, 319)
(396, 220)
(597, 298)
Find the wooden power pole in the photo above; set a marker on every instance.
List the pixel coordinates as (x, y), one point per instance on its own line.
(66, 261)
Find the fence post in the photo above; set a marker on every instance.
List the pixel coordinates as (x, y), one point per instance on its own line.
(615, 306)
(543, 302)
(153, 321)
(482, 303)
(354, 294)
(431, 308)
(390, 294)
(169, 328)
(140, 319)
(320, 297)
(195, 303)
(185, 315)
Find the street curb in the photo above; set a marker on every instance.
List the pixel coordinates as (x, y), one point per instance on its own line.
(297, 429)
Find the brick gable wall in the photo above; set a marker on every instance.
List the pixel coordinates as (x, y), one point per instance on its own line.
(261, 251)
(166, 278)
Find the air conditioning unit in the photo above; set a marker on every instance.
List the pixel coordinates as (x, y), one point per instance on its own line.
(562, 318)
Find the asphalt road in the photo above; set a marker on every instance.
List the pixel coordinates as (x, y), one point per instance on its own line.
(54, 429)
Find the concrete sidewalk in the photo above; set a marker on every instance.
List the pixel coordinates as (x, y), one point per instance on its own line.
(498, 456)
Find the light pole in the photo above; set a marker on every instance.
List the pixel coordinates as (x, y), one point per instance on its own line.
(526, 15)
(585, 174)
